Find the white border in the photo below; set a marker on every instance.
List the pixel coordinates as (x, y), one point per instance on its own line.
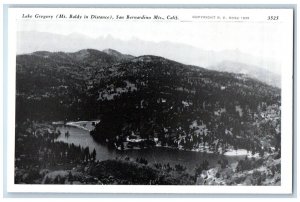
(285, 188)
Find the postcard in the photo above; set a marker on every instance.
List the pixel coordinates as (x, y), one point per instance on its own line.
(144, 100)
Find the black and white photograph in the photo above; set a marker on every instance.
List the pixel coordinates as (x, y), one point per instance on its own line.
(152, 97)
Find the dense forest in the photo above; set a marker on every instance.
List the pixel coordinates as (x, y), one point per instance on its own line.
(149, 98)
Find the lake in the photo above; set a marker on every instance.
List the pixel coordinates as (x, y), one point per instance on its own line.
(189, 159)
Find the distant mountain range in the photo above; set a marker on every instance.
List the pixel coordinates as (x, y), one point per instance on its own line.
(149, 96)
(230, 60)
(255, 72)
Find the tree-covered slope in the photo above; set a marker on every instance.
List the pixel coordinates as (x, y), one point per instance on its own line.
(151, 98)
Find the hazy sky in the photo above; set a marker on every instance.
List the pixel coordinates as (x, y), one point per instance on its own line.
(258, 39)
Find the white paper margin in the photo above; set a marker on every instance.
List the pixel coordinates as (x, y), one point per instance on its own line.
(286, 128)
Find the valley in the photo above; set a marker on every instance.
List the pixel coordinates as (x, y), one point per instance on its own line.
(144, 106)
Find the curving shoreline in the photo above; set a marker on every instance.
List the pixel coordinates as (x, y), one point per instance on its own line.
(88, 126)
(84, 125)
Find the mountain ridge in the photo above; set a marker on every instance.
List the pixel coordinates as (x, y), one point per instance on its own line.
(126, 57)
(183, 106)
(183, 53)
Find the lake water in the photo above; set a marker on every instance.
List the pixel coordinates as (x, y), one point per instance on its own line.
(161, 155)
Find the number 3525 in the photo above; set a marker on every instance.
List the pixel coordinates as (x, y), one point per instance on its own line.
(273, 17)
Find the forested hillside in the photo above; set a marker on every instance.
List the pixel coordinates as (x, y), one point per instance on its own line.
(149, 98)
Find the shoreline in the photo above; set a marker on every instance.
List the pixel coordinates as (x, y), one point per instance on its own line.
(78, 124)
(229, 153)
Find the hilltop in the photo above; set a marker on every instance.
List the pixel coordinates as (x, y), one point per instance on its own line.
(149, 97)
